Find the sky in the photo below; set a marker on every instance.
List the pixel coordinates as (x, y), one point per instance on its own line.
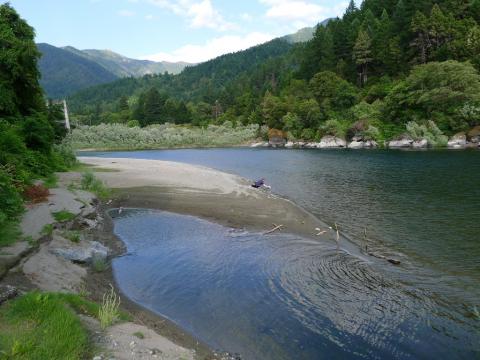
(171, 30)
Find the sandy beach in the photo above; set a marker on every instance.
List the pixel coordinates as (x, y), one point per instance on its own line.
(199, 191)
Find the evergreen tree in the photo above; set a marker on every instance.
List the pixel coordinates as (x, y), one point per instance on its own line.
(20, 92)
(362, 54)
(153, 108)
(421, 42)
(123, 104)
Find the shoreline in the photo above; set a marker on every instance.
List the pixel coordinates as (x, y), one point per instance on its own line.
(97, 282)
(213, 195)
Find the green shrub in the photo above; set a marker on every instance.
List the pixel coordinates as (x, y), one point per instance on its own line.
(119, 136)
(334, 127)
(72, 235)
(108, 313)
(63, 215)
(47, 229)
(90, 183)
(428, 131)
(99, 265)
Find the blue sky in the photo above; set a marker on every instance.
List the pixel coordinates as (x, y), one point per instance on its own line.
(172, 30)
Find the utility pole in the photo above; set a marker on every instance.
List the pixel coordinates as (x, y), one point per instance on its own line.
(65, 111)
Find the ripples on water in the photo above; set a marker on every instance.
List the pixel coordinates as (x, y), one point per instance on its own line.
(284, 297)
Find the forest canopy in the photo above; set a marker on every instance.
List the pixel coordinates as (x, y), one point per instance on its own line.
(378, 67)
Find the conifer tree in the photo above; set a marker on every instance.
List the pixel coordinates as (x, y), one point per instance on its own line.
(362, 54)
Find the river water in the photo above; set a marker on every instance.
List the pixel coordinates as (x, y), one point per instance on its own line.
(284, 297)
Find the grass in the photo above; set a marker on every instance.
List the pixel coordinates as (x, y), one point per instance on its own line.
(63, 215)
(139, 335)
(9, 234)
(50, 181)
(99, 265)
(72, 235)
(43, 326)
(109, 313)
(82, 167)
(46, 325)
(91, 183)
(47, 229)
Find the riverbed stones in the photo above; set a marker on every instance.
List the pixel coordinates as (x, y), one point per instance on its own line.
(457, 141)
(404, 141)
(420, 144)
(7, 292)
(50, 272)
(331, 142)
(83, 252)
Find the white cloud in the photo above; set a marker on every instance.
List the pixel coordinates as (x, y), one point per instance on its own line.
(212, 48)
(149, 17)
(301, 13)
(200, 14)
(126, 13)
(246, 17)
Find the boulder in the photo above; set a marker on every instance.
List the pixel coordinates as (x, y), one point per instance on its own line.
(356, 145)
(289, 144)
(311, 145)
(259, 144)
(474, 135)
(370, 144)
(84, 252)
(331, 142)
(457, 141)
(402, 142)
(420, 144)
(300, 144)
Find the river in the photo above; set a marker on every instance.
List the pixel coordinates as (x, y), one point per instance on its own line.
(294, 298)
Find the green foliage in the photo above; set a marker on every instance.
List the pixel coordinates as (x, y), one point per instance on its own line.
(436, 91)
(57, 332)
(47, 229)
(28, 129)
(90, 183)
(9, 233)
(99, 265)
(139, 335)
(361, 67)
(117, 136)
(109, 313)
(334, 127)
(20, 92)
(332, 92)
(428, 131)
(63, 216)
(72, 235)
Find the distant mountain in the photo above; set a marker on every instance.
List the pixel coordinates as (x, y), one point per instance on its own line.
(123, 66)
(305, 34)
(67, 70)
(64, 72)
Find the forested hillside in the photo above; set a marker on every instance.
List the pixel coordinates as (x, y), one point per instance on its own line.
(387, 68)
(29, 130)
(64, 72)
(123, 66)
(67, 70)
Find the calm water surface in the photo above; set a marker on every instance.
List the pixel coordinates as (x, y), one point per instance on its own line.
(285, 297)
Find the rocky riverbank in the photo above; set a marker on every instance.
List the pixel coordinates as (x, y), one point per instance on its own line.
(462, 140)
(73, 256)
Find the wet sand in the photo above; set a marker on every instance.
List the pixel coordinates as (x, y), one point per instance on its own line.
(199, 191)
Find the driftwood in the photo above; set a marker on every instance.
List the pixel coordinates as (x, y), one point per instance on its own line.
(276, 227)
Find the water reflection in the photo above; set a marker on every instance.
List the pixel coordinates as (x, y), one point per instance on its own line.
(282, 297)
